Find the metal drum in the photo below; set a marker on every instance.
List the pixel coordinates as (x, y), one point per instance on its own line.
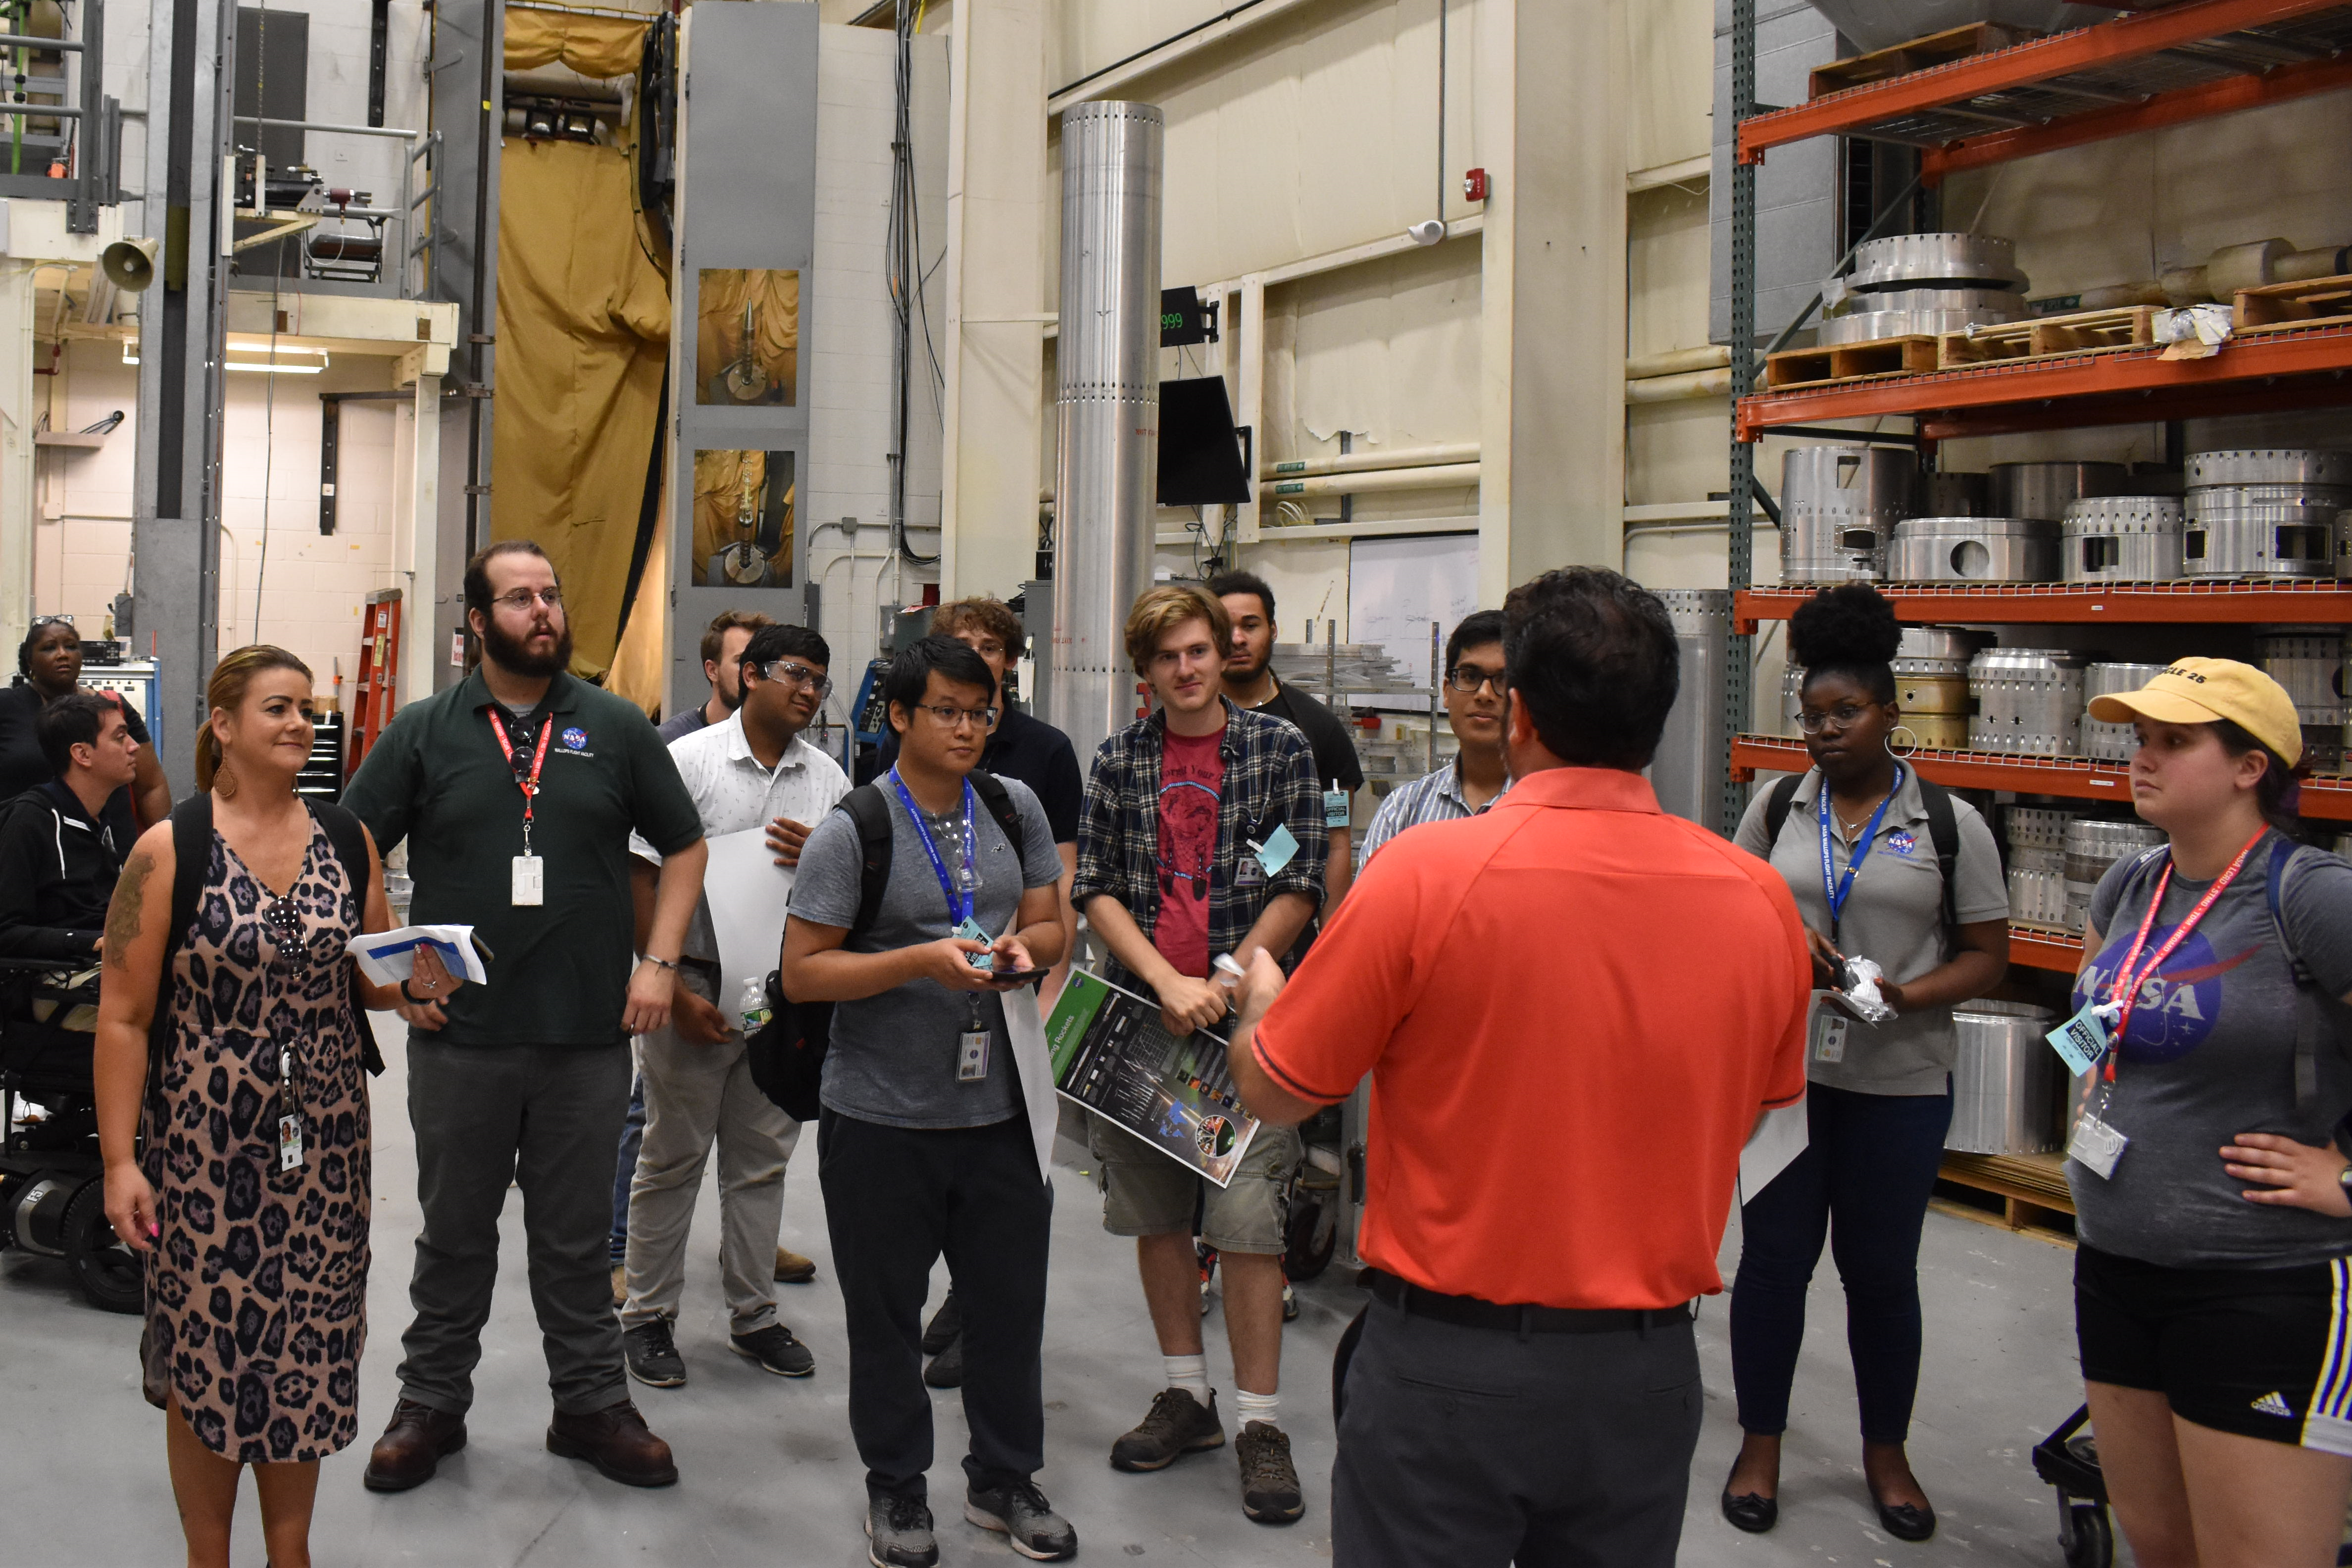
(2266, 511)
(2039, 827)
(1974, 550)
(2308, 661)
(1912, 261)
(1954, 493)
(2112, 742)
(2046, 489)
(2004, 1079)
(1839, 505)
(2122, 539)
(1688, 769)
(2270, 466)
(2028, 701)
(1792, 681)
(2037, 887)
(1907, 313)
(1931, 670)
(2093, 845)
(1930, 731)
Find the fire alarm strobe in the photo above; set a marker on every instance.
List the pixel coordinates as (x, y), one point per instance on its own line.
(1474, 185)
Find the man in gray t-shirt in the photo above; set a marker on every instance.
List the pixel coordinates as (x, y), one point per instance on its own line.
(924, 1148)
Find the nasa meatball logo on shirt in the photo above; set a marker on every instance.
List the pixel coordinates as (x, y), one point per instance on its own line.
(575, 742)
(1902, 841)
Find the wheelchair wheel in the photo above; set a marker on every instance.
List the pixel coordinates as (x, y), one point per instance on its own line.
(1313, 1237)
(2085, 1536)
(110, 1276)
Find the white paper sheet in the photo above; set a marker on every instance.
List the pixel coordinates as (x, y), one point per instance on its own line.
(389, 957)
(1026, 1027)
(1780, 1137)
(748, 893)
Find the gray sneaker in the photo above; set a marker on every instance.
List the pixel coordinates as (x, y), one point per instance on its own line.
(775, 1347)
(1176, 1424)
(899, 1534)
(1019, 1511)
(1270, 1493)
(652, 1355)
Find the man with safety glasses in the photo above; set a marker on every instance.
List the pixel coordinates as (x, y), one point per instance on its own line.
(759, 785)
(1479, 772)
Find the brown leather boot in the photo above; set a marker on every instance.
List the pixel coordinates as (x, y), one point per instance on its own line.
(413, 1447)
(615, 1440)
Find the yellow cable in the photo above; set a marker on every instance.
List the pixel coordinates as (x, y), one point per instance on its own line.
(919, 17)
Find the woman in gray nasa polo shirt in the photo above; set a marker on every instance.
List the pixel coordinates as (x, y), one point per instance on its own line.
(1857, 847)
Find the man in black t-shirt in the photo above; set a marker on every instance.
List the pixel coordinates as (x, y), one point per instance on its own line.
(1251, 683)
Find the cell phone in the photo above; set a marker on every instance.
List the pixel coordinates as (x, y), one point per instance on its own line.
(1021, 976)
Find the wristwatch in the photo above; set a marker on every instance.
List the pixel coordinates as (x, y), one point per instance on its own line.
(2344, 1178)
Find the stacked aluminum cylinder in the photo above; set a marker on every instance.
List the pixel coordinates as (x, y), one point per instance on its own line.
(2037, 863)
(1931, 687)
(1688, 769)
(2107, 742)
(1974, 550)
(2046, 489)
(2091, 847)
(2004, 1079)
(2122, 539)
(2028, 701)
(1839, 506)
(1913, 284)
(2265, 512)
(2309, 662)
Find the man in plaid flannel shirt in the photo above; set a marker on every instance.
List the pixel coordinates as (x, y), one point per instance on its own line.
(1202, 834)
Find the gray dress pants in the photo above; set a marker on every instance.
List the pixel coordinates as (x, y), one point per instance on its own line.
(548, 1120)
(1467, 1447)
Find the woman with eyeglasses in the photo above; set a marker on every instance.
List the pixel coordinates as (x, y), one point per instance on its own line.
(233, 1111)
(1886, 867)
(49, 662)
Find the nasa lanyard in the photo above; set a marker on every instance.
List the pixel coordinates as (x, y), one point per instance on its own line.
(2127, 980)
(530, 786)
(1836, 889)
(961, 897)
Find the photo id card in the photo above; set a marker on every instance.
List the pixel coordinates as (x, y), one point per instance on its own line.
(289, 1141)
(2096, 1145)
(1831, 1047)
(971, 1056)
(529, 882)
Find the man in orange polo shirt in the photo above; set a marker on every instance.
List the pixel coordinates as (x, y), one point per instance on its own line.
(1574, 1009)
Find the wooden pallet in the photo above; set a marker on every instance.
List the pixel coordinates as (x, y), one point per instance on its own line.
(2051, 337)
(1848, 361)
(2032, 1187)
(1936, 49)
(2281, 307)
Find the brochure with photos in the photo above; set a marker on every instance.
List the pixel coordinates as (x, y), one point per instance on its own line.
(1113, 1055)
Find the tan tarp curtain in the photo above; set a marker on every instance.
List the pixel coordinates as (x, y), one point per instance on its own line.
(583, 337)
(775, 298)
(593, 46)
(641, 663)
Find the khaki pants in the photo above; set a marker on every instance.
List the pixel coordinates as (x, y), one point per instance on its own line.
(695, 1095)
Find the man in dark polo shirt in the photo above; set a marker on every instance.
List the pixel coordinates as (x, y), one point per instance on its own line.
(516, 790)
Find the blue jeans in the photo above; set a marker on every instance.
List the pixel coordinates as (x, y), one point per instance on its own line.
(1863, 1183)
(633, 1137)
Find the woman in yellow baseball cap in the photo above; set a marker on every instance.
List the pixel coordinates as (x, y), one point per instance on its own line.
(2213, 1275)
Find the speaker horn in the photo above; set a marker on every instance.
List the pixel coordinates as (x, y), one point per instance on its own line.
(129, 264)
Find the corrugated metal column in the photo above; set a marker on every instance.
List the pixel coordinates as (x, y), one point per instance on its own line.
(1108, 411)
(1738, 668)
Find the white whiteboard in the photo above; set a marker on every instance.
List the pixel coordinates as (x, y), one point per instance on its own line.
(1397, 586)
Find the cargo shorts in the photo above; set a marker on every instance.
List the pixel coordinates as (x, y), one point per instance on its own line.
(1145, 1193)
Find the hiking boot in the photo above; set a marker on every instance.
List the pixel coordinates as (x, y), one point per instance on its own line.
(1177, 1424)
(617, 1441)
(1019, 1511)
(791, 1268)
(945, 1325)
(946, 1370)
(652, 1355)
(899, 1534)
(413, 1446)
(1270, 1492)
(774, 1348)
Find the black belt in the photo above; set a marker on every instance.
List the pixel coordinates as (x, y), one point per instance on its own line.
(1470, 1313)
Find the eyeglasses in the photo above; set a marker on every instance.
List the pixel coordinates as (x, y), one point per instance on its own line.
(1842, 717)
(949, 715)
(523, 598)
(1470, 678)
(800, 675)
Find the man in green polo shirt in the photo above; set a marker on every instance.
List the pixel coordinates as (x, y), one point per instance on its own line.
(516, 790)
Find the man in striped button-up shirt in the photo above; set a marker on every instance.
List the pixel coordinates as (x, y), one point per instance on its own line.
(1478, 777)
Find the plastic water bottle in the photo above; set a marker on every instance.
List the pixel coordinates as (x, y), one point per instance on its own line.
(754, 1008)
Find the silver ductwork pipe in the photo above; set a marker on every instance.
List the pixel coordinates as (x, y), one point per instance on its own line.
(1108, 413)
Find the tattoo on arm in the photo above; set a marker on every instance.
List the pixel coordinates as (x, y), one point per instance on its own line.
(122, 914)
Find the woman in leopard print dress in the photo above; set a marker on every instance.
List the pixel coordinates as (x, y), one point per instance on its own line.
(250, 1195)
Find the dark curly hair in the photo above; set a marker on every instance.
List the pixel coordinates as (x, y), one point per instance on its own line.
(1592, 658)
(1849, 630)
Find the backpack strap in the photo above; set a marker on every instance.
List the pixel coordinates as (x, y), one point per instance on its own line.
(349, 840)
(999, 801)
(191, 857)
(2318, 1014)
(1944, 833)
(1776, 807)
(869, 811)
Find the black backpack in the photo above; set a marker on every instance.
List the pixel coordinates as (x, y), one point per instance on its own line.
(191, 853)
(1943, 831)
(786, 1054)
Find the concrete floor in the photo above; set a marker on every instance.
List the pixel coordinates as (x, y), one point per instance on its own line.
(770, 1475)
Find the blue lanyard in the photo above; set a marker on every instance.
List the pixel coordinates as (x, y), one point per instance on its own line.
(1834, 888)
(959, 900)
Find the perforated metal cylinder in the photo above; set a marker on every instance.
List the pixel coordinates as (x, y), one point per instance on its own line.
(1108, 412)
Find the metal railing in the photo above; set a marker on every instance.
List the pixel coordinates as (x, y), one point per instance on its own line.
(407, 281)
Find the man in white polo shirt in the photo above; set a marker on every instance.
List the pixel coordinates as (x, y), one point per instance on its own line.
(750, 772)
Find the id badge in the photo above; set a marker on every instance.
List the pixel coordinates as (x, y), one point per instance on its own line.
(971, 1056)
(2081, 1040)
(529, 882)
(1248, 873)
(970, 931)
(289, 1141)
(1831, 1047)
(2096, 1145)
(1337, 807)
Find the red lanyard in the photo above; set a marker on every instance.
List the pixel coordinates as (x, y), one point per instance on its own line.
(2128, 982)
(530, 786)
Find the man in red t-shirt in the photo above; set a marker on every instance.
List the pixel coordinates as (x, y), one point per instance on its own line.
(1168, 880)
(1574, 1009)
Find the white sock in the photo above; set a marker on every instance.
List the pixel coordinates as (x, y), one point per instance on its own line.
(1191, 1374)
(1249, 1407)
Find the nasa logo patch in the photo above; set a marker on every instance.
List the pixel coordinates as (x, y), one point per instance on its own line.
(575, 737)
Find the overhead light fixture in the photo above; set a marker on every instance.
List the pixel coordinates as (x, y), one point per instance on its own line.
(267, 367)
